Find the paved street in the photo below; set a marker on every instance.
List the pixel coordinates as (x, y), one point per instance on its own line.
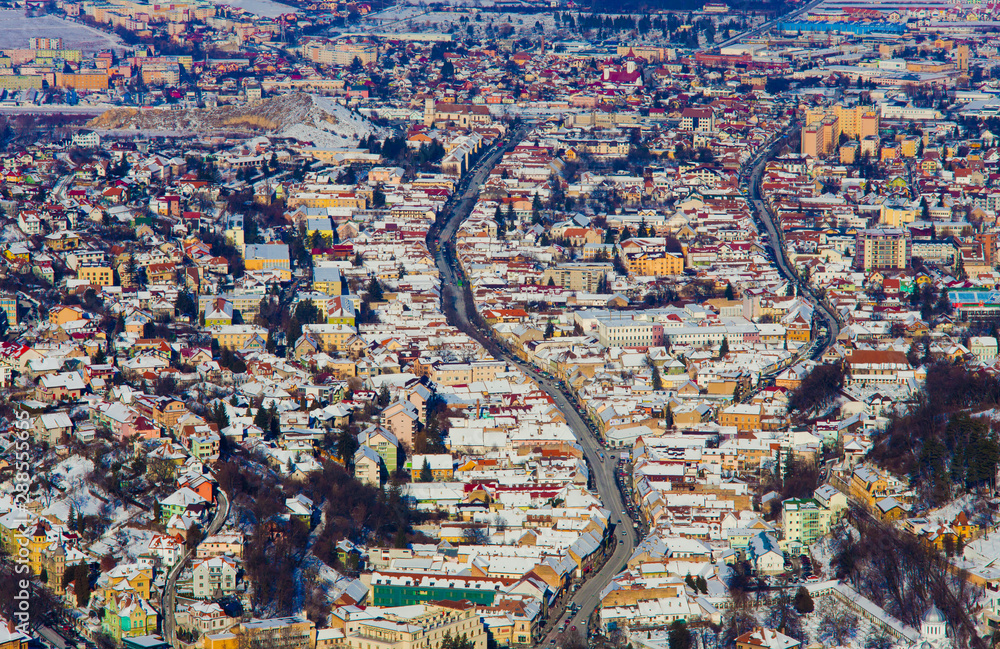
(587, 596)
(776, 241)
(168, 601)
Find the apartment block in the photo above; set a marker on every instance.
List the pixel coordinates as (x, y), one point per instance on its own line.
(883, 248)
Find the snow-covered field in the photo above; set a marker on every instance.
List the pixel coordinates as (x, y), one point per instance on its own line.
(16, 29)
(71, 472)
(11, 233)
(125, 543)
(70, 477)
(397, 19)
(266, 8)
(348, 129)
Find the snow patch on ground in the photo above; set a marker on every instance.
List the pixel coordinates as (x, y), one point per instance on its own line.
(346, 129)
(16, 29)
(11, 233)
(71, 472)
(265, 8)
(125, 543)
(945, 515)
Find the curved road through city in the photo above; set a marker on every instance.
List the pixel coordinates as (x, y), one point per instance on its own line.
(459, 308)
(456, 302)
(168, 602)
(751, 184)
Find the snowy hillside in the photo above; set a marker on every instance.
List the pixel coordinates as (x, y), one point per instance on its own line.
(304, 117)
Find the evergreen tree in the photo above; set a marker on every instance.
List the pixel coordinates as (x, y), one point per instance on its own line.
(81, 584)
(347, 445)
(679, 636)
(803, 601)
(251, 233)
(724, 348)
(668, 417)
(730, 295)
(275, 422)
(261, 420)
(220, 417)
(550, 329)
(657, 379)
(426, 475)
(375, 290)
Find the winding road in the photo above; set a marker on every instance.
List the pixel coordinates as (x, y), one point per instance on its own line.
(456, 303)
(751, 186)
(168, 602)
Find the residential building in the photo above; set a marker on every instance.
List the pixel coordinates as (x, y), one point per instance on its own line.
(804, 520)
(763, 638)
(415, 626)
(269, 255)
(878, 249)
(238, 336)
(276, 633)
(368, 466)
(213, 577)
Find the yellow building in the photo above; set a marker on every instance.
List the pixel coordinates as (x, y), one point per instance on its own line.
(327, 280)
(319, 199)
(59, 315)
(237, 336)
(654, 264)
(220, 641)
(896, 214)
(97, 275)
(463, 373)
(276, 633)
(908, 147)
(266, 256)
(134, 577)
(420, 626)
(868, 486)
(854, 122)
(126, 615)
(742, 416)
(331, 336)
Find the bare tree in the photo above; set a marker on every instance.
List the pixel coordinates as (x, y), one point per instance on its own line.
(474, 535)
(837, 624)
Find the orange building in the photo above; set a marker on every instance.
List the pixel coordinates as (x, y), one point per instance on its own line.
(83, 80)
(97, 275)
(742, 416)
